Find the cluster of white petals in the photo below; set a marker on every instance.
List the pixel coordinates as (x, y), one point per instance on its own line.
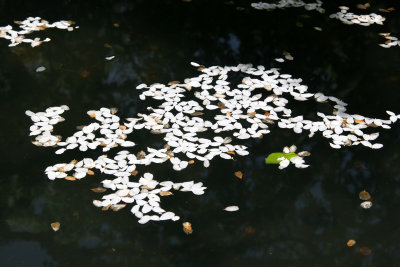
(290, 3)
(28, 26)
(298, 161)
(350, 18)
(390, 40)
(215, 122)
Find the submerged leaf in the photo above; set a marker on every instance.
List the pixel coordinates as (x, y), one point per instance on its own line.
(273, 157)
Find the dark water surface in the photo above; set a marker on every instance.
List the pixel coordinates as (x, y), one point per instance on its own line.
(294, 217)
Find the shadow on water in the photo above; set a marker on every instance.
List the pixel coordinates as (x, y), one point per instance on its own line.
(286, 218)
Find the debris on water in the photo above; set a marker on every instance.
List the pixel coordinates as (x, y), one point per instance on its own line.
(364, 195)
(239, 174)
(242, 112)
(351, 243)
(232, 208)
(350, 18)
(30, 25)
(55, 226)
(109, 58)
(99, 189)
(281, 4)
(40, 69)
(365, 251)
(366, 204)
(187, 228)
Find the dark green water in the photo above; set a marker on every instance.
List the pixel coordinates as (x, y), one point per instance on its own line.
(292, 217)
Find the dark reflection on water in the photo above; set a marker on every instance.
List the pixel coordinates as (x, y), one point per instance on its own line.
(286, 218)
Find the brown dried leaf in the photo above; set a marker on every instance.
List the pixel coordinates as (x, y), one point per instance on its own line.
(122, 127)
(90, 172)
(116, 25)
(252, 114)
(165, 193)
(390, 9)
(231, 152)
(98, 189)
(221, 105)
(106, 207)
(196, 114)
(191, 161)
(249, 230)
(141, 154)
(351, 243)
(365, 6)
(173, 82)
(364, 195)
(187, 228)
(70, 178)
(239, 174)
(85, 74)
(365, 251)
(55, 226)
(117, 207)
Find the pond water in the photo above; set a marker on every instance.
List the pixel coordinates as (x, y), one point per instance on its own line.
(290, 217)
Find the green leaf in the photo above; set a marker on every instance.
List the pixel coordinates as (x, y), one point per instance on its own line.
(273, 157)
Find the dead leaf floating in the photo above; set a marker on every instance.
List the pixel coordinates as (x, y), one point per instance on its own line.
(239, 174)
(98, 189)
(351, 243)
(55, 226)
(187, 228)
(364, 195)
(165, 193)
(365, 251)
(366, 204)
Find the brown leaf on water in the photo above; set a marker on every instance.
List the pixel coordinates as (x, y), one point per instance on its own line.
(116, 25)
(249, 230)
(390, 9)
(191, 161)
(173, 82)
(221, 105)
(107, 46)
(231, 152)
(364, 195)
(187, 228)
(359, 121)
(117, 207)
(239, 174)
(70, 178)
(165, 193)
(134, 173)
(90, 172)
(351, 243)
(141, 154)
(252, 114)
(98, 189)
(106, 207)
(365, 6)
(365, 251)
(55, 226)
(198, 113)
(84, 74)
